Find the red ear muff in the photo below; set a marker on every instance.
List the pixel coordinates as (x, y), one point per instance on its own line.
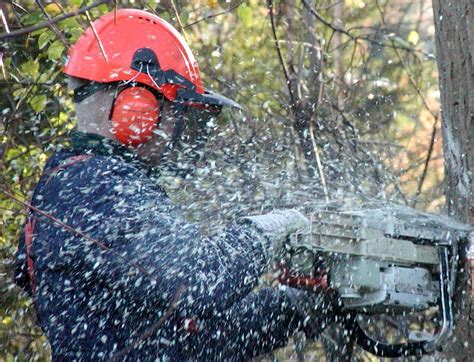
(135, 115)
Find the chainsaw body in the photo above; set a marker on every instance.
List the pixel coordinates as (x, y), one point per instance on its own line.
(384, 259)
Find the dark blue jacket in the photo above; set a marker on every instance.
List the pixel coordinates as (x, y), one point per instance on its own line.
(95, 303)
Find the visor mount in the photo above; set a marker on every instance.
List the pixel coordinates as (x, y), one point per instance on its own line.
(144, 57)
(145, 61)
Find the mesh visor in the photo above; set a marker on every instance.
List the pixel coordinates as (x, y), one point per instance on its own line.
(194, 124)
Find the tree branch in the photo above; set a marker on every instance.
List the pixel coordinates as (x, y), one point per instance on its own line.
(339, 29)
(52, 26)
(233, 7)
(427, 161)
(48, 23)
(280, 55)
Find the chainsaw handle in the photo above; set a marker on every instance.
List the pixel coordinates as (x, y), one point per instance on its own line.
(388, 350)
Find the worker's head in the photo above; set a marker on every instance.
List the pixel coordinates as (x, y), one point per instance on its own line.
(135, 80)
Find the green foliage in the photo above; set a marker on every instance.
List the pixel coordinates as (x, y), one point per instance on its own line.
(244, 12)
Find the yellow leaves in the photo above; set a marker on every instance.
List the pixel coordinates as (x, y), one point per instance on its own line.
(356, 4)
(212, 3)
(53, 9)
(7, 320)
(43, 157)
(413, 37)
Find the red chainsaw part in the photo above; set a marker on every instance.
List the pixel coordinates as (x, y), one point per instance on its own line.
(303, 281)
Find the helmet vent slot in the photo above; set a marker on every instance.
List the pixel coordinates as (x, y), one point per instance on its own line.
(149, 20)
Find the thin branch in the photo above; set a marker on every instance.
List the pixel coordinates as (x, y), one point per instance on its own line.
(4, 21)
(318, 161)
(356, 37)
(15, 5)
(2, 65)
(48, 23)
(405, 67)
(280, 55)
(175, 10)
(233, 7)
(427, 161)
(52, 26)
(101, 46)
(427, 107)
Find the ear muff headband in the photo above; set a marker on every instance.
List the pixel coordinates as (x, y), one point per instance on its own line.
(135, 115)
(85, 91)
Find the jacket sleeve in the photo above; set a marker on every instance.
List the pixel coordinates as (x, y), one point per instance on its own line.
(151, 251)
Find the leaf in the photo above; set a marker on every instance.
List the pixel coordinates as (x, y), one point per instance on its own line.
(244, 13)
(184, 16)
(32, 18)
(38, 102)
(152, 3)
(55, 50)
(53, 9)
(166, 16)
(18, 92)
(75, 34)
(7, 320)
(69, 23)
(212, 4)
(44, 39)
(29, 68)
(76, 2)
(413, 37)
(98, 11)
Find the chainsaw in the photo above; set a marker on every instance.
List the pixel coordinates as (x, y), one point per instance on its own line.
(381, 258)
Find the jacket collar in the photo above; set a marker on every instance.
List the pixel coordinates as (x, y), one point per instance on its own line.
(84, 143)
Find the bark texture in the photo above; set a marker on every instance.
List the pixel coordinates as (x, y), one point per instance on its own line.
(454, 23)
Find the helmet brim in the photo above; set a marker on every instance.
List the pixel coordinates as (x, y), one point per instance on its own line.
(208, 98)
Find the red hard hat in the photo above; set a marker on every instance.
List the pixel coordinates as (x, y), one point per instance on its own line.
(135, 45)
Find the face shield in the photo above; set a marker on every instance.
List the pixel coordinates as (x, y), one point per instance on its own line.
(193, 124)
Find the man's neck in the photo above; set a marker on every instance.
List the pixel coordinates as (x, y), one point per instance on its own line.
(90, 127)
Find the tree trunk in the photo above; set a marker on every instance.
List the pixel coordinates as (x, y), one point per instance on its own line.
(454, 24)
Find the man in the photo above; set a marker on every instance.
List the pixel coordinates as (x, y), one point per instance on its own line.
(114, 269)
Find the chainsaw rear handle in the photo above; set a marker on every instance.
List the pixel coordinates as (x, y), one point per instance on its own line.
(388, 350)
(362, 339)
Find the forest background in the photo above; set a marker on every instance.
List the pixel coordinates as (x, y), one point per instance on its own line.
(338, 96)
